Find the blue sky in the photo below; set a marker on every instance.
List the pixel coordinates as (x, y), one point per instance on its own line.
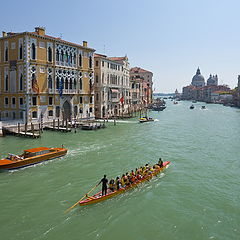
(171, 38)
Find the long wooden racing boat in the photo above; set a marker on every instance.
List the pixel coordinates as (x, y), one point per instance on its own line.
(31, 156)
(98, 196)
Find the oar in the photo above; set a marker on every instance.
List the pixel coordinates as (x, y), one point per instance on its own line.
(80, 200)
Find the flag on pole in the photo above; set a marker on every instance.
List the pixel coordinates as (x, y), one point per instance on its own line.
(122, 100)
(35, 86)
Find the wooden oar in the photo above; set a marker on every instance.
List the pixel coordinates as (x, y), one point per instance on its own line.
(80, 200)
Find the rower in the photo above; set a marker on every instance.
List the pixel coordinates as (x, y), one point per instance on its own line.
(123, 180)
(104, 182)
(132, 173)
(112, 185)
(117, 183)
(160, 163)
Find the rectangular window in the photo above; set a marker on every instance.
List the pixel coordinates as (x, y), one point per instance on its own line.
(50, 100)
(13, 101)
(91, 99)
(42, 44)
(42, 69)
(102, 63)
(50, 113)
(34, 114)
(34, 101)
(13, 45)
(21, 101)
(80, 99)
(96, 63)
(6, 101)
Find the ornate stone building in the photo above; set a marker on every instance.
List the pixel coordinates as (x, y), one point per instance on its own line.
(43, 77)
(141, 87)
(111, 86)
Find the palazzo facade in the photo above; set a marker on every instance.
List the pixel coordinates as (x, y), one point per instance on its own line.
(44, 78)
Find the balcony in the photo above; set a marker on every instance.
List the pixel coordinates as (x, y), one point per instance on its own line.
(69, 91)
(115, 100)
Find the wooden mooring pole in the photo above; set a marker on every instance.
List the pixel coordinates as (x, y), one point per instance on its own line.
(32, 127)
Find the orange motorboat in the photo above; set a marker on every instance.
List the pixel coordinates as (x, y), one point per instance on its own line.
(30, 157)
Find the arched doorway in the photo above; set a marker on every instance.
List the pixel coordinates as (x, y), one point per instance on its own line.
(67, 113)
(103, 111)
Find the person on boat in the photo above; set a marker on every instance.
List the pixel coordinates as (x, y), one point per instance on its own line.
(132, 173)
(160, 163)
(123, 180)
(104, 182)
(112, 185)
(117, 183)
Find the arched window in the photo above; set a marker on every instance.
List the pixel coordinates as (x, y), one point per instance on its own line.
(75, 111)
(6, 83)
(66, 83)
(80, 110)
(74, 84)
(21, 82)
(57, 111)
(57, 55)
(70, 84)
(66, 57)
(90, 62)
(80, 60)
(49, 54)
(33, 51)
(62, 54)
(80, 84)
(50, 82)
(62, 83)
(70, 58)
(21, 52)
(74, 58)
(6, 54)
(57, 83)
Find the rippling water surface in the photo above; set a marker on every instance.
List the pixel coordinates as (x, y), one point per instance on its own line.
(197, 197)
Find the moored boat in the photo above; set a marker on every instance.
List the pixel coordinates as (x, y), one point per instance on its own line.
(192, 107)
(99, 198)
(203, 107)
(30, 157)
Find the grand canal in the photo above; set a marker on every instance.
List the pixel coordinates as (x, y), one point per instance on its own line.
(197, 197)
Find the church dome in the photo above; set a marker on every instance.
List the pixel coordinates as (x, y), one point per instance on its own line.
(212, 80)
(198, 79)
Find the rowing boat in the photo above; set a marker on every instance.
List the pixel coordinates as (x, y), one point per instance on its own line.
(99, 198)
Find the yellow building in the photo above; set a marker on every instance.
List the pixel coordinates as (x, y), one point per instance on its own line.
(43, 77)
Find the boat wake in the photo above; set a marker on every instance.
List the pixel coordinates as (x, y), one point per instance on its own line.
(117, 121)
(86, 149)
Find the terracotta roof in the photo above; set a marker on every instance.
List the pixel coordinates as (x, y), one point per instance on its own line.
(99, 55)
(138, 69)
(117, 58)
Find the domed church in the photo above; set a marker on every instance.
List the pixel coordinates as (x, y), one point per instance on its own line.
(212, 80)
(198, 79)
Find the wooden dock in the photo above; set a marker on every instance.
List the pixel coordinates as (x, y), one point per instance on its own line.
(58, 128)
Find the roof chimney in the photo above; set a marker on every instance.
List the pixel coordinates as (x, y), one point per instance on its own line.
(4, 34)
(85, 43)
(40, 31)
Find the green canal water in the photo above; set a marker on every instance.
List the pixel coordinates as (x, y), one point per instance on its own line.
(197, 197)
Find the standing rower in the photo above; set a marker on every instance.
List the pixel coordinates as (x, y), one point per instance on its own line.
(104, 182)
